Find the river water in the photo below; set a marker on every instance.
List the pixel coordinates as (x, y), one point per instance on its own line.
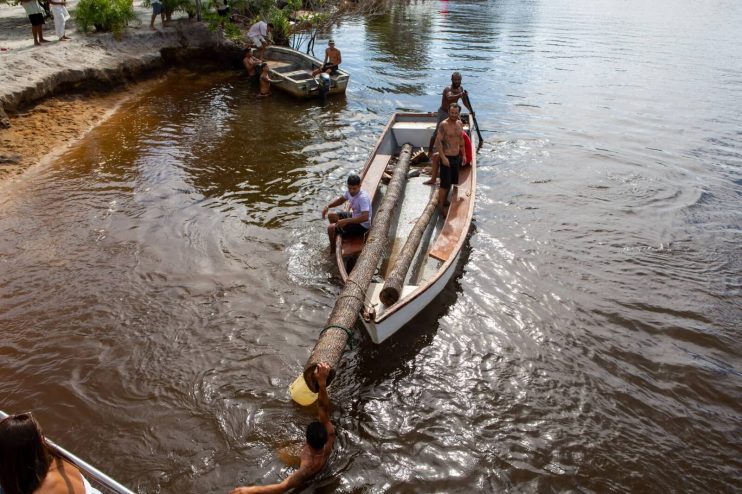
(163, 281)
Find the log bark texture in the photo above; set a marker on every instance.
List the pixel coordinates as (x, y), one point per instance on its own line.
(395, 279)
(331, 344)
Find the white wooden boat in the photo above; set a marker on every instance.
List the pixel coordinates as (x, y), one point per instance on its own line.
(97, 479)
(439, 251)
(294, 69)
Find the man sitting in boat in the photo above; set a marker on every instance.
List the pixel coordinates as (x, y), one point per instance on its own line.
(450, 146)
(314, 455)
(333, 59)
(357, 220)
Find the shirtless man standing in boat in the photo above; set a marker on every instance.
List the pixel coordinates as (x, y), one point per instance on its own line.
(452, 94)
(333, 59)
(314, 455)
(450, 145)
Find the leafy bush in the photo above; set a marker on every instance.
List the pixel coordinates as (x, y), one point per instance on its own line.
(104, 15)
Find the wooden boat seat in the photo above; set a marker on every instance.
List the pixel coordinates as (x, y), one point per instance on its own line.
(456, 220)
(353, 244)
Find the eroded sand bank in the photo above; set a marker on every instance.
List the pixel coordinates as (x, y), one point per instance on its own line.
(51, 95)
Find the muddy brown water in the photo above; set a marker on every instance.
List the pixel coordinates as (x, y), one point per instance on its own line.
(164, 280)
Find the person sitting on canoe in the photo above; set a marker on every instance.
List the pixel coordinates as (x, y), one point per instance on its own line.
(357, 220)
(436, 159)
(452, 94)
(333, 59)
(314, 454)
(450, 146)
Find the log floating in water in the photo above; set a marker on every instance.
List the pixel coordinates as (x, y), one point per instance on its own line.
(395, 279)
(331, 344)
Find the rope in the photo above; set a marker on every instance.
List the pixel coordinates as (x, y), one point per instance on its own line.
(349, 332)
(362, 298)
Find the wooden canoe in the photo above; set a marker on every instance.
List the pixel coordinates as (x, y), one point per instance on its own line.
(437, 255)
(294, 69)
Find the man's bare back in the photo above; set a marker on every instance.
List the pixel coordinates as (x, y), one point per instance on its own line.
(313, 459)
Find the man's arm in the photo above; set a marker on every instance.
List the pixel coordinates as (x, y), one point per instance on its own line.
(337, 202)
(340, 58)
(358, 219)
(327, 56)
(439, 143)
(293, 480)
(323, 401)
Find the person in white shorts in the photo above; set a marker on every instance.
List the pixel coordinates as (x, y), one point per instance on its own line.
(258, 33)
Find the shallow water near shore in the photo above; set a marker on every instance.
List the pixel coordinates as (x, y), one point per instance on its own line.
(163, 281)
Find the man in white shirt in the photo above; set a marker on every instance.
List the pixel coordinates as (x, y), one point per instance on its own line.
(357, 220)
(258, 33)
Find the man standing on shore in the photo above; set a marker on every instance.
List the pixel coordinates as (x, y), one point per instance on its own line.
(59, 11)
(314, 455)
(157, 9)
(36, 17)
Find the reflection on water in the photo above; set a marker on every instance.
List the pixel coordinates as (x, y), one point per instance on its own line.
(163, 281)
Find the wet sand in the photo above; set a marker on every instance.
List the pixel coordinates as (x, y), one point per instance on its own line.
(39, 134)
(45, 90)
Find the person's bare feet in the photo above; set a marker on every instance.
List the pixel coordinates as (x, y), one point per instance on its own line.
(429, 182)
(36, 43)
(65, 38)
(42, 40)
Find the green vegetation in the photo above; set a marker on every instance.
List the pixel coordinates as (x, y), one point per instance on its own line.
(104, 15)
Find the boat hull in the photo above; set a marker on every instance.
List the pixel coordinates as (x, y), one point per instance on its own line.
(294, 71)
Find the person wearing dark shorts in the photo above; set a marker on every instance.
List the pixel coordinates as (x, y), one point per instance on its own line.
(349, 228)
(357, 220)
(331, 67)
(450, 174)
(450, 145)
(36, 17)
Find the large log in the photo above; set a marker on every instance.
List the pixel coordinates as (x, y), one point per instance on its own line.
(331, 343)
(395, 279)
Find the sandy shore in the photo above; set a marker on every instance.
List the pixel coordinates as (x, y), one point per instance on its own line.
(51, 95)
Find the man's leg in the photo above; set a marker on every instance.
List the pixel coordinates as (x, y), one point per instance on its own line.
(332, 230)
(442, 198)
(263, 44)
